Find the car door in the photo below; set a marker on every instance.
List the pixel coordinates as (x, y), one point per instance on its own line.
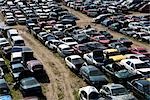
(83, 95)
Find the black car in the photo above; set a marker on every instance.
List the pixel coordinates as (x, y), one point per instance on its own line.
(95, 45)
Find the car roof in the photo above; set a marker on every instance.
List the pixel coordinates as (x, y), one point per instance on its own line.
(17, 54)
(64, 46)
(114, 86)
(17, 38)
(74, 56)
(110, 50)
(134, 61)
(34, 62)
(17, 65)
(89, 89)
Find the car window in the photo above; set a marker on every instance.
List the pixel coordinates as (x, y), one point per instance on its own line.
(128, 62)
(107, 90)
(84, 94)
(69, 59)
(132, 65)
(89, 56)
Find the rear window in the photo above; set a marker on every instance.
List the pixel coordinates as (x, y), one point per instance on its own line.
(37, 67)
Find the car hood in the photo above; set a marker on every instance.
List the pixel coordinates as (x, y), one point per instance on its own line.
(123, 97)
(144, 69)
(124, 74)
(5, 97)
(98, 78)
(16, 75)
(117, 57)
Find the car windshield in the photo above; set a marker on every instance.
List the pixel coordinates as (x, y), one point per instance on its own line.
(4, 91)
(83, 48)
(94, 96)
(77, 61)
(144, 58)
(69, 40)
(142, 51)
(147, 88)
(29, 82)
(113, 53)
(119, 91)
(142, 65)
(16, 70)
(95, 73)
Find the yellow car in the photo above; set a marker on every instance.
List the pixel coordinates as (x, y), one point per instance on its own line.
(113, 54)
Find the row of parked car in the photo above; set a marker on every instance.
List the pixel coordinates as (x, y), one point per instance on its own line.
(24, 67)
(94, 55)
(133, 26)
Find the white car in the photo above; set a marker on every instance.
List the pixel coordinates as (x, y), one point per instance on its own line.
(89, 93)
(116, 92)
(40, 35)
(74, 62)
(3, 41)
(136, 65)
(59, 27)
(65, 50)
(138, 56)
(69, 41)
(95, 58)
(53, 44)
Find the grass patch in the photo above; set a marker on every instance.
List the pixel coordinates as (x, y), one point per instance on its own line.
(75, 93)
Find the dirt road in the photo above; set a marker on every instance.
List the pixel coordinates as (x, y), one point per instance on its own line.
(85, 20)
(63, 83)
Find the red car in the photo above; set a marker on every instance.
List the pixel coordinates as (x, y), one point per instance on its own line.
(101, 38)
(140, 50)
(80, 49)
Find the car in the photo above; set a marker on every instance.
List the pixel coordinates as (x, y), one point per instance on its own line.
(113, 54)
(74, 62)
(136, 65)
(116, 92)
(3, 42)
(29, 86)
(119, 46)
(119, 73)
(138, 56)
(106, 34)
(92, 12)
(81, 38)
(95, 57)
(5, 91)
(89, 93)
(140, 50)
(53, 44)
(101, 38)
(16, 69)
(10, 21)
(40, 35)
(126, 42)
(48, 37)
(64, 50)
(35, 66)
(80, 49)
(93, 76)
(95, 45)
(69, 41)
(140, 88)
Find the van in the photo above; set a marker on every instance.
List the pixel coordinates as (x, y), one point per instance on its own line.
(17, 41)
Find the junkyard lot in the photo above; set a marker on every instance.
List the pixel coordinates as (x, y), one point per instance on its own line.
(63, 83)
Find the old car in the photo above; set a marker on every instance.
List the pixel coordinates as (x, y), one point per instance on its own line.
(81, 38)
(95, 58)
(93, 75)
(74, 62)
(119, 46)
(89, 93)
(29, 86)
(101, 38)
(5, 91)
(140, 50)
(69, 41)
(106, 34)
(80, 49)
(136, 65)
(95, 45)
(65, 50)
(16, 69)
(140, 87)
(116, 92)
(35, 66)
(119, 73)
(113, 54)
